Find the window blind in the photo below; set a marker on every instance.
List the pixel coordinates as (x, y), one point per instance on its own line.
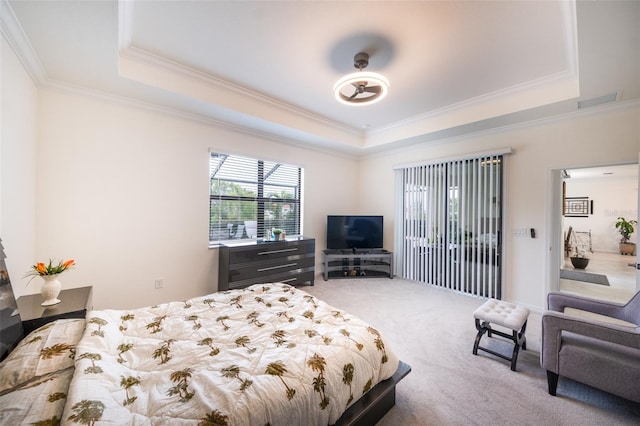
(450, 231)
(250, 197)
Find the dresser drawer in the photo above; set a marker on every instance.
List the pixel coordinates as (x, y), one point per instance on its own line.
(271, 250)
(292, 277)
(270, 267)
(246, 263)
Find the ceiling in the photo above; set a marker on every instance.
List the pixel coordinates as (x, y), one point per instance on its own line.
(605, 172)
(269, 67)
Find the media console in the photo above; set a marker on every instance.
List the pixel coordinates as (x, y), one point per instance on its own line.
(363, 263)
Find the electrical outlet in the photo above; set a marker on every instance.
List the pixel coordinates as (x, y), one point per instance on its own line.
(159, 283)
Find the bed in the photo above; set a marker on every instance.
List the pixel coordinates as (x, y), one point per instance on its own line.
(267, 354)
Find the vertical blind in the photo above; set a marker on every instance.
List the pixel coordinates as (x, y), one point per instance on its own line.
(249, 197)
(451, 221)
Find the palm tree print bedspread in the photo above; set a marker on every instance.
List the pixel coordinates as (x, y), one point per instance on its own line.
(268, 354)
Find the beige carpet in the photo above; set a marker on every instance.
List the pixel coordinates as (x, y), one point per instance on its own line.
(433, 331)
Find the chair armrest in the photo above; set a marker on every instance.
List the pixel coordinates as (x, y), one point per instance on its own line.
(559, 301)
(554, 323)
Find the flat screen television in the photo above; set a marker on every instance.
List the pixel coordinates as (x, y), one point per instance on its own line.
(354, 232)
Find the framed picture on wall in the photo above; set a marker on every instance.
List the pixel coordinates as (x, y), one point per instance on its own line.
(578, 207)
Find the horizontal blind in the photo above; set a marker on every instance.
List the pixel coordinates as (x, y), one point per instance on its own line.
(451, 224)
(250, 197)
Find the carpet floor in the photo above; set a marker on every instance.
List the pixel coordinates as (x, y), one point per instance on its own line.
(433, 331)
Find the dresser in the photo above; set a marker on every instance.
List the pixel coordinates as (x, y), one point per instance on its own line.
(244, 263)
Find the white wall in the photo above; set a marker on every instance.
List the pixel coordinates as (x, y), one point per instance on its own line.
(612, 197)
(18, 112)
(124, 191)
(587, 139)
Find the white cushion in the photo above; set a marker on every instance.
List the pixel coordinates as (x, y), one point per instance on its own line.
(502, 313)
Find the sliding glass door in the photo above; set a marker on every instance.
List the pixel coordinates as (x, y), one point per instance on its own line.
(450, 224)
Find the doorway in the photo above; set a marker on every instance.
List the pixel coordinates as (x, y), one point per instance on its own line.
(592, 201)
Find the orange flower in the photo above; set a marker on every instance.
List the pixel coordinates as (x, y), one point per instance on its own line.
(41, 267)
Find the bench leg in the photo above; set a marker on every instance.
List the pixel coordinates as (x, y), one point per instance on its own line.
(517, 337)
(516, 348)
(519, 340)
(521, 337)
(482, 328)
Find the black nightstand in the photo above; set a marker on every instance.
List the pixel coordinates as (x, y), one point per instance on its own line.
(74, 304)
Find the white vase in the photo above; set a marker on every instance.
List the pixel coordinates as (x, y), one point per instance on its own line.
(50, 290)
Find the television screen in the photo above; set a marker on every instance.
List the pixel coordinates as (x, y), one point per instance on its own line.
(354, 232)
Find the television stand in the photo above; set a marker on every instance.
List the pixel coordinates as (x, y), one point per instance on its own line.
(359, 263)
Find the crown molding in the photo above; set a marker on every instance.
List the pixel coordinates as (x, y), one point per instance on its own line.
(486, 98)
(14, 35)
(151, 61)
(545, 91)
(129, 102)
(337, 138)
(552, 88)
(570, 26)
(579, 113)
(125, 26)
(572, 115)
(128, 51)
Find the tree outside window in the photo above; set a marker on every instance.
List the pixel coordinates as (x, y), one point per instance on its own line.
(249, 197)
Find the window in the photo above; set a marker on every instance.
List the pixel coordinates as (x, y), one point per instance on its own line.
(450, 224)
(249, 197)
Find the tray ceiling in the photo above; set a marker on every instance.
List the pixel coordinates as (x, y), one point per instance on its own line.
(454, 67)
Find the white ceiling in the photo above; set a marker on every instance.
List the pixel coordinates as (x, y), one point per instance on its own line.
(454, 66)
(605, 172)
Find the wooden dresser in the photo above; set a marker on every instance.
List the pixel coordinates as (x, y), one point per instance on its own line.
(242, 264)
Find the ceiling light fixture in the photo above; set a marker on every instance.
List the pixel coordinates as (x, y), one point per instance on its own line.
(361, 87)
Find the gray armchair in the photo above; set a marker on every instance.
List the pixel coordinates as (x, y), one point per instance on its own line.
(596, 350)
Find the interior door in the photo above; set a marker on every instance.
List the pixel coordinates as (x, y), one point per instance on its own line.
(638, 263)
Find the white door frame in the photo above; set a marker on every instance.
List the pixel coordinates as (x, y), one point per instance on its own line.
(554, 240)
(554, 236)
(638, 230)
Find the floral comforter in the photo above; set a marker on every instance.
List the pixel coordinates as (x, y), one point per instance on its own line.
(268, 354)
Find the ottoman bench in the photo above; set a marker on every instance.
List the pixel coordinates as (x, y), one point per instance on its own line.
(504, 314)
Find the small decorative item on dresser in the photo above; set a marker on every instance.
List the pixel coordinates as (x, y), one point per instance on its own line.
(51, 287)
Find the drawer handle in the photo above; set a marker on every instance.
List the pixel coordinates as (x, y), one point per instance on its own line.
(277, 251)
(289, 280)
(277, 267)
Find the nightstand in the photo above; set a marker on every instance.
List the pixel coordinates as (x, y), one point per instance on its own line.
(75, 302)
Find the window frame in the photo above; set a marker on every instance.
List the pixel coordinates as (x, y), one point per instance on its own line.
(262, 198)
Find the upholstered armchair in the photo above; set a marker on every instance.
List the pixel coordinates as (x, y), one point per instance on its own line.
(593, 342)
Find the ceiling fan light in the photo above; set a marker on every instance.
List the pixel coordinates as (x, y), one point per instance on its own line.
(344, 88)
